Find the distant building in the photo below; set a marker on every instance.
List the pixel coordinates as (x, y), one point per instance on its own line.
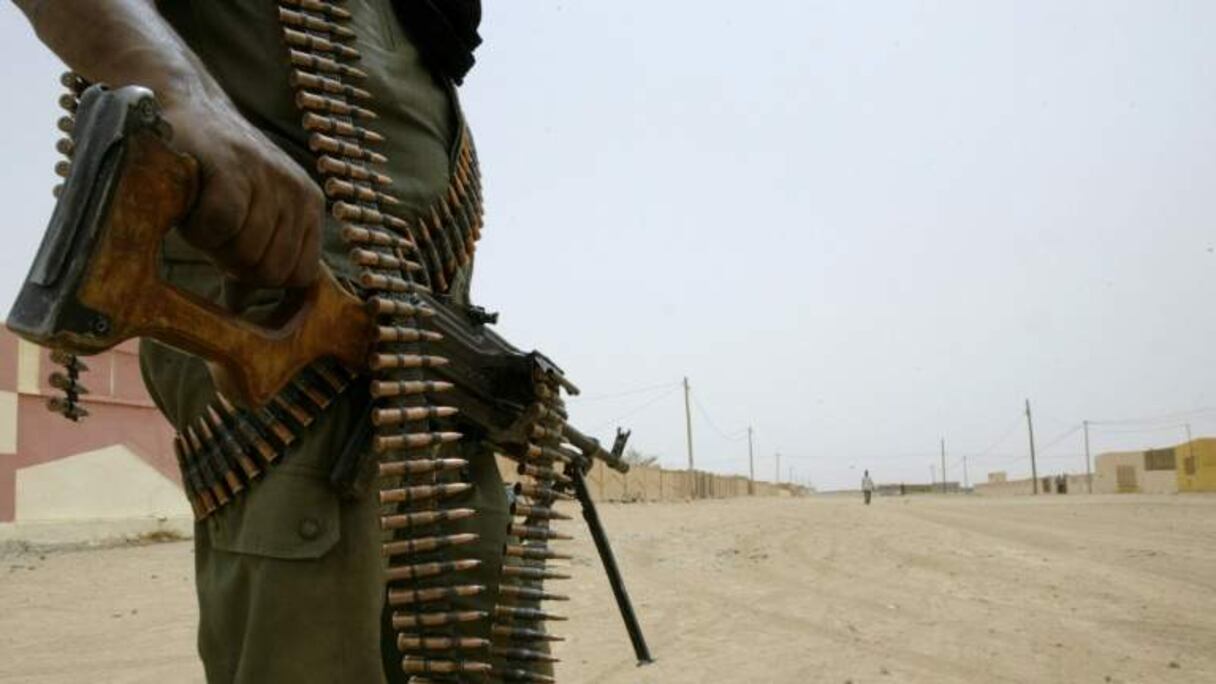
(1186, 467)
(1144, 472)
(1197, 468)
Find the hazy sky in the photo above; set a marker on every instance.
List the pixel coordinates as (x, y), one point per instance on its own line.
(857, 227)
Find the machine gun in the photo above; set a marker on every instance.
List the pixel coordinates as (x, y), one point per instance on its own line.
(96, 281)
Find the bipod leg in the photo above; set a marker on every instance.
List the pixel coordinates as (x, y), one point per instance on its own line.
(591, 515)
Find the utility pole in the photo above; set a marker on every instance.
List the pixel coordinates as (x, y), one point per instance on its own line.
(943, 465)
(778, 467)
(965, 483)
(1190, 445)
(751, 464)
(1034, 469)
(1089, 474)
(688, 422)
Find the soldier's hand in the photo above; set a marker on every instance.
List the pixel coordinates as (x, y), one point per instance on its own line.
(258, 214)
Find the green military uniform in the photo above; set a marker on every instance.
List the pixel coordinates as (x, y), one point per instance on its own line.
(289, 576)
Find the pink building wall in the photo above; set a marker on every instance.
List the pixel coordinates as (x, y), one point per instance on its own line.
(121, 414)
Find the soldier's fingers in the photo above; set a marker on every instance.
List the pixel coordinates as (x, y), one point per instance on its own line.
(305, 215)
(246, 251)
(279, 260)
(220, 213)
(309, 264)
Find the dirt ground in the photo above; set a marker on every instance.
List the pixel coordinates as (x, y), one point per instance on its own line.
(924, 589)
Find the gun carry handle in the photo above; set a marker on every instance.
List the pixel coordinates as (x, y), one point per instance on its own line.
(249, 362)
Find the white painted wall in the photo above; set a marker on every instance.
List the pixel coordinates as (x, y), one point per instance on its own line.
(8, 422)
(109, 483)
(1149, 481)
(29, 371)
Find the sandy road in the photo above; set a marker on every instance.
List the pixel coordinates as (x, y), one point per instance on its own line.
(1058, 589)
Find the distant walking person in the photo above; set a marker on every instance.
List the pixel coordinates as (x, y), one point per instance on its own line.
(867, 486)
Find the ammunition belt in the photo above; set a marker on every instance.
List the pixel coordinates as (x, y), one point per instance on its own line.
(437, 639)
(224, 451)
(67, 380)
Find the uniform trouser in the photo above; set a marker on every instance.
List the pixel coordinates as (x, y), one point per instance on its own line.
(867, 493)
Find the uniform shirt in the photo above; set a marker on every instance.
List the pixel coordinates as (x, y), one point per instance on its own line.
(241, 43)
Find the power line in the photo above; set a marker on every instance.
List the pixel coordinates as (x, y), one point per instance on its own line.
(1064, 455)
(1015, 458)
(638, 408)
(734, 436)
(1060, 438)
(1166, 417)
(628, 393)
(1143, 430)
(1013, 427)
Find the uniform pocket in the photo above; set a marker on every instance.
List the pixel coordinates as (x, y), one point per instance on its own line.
(291, 514)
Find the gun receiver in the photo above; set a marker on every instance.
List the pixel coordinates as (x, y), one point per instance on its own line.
(96, 279)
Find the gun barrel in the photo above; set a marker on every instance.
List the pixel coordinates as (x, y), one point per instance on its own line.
(592, 449)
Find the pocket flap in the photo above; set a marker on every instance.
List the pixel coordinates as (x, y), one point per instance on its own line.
(290, 515)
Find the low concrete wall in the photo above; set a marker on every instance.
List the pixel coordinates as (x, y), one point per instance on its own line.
(1048, 484)
(99, 532)
(1006, 488)
(645, 483)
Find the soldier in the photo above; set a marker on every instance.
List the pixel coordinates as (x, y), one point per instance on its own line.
(289, 576)
(867, 486)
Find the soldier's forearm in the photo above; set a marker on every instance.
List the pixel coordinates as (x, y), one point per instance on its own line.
(121, 42)
(258, 214)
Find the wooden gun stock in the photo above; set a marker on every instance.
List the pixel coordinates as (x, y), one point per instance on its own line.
(97, 279)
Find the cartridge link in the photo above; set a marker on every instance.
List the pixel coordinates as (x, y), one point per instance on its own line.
(318, 142)
(398, 573)
(416, 665)
(308, 22)
(403, 521)
(396, 333)
(382, 361)
(423, 492)
(327, 124)
(324, 64)
(413, 440)
(309, 41)
(402, 620)
(336, 188)
(308, 100)
(413, 642)
(361, 235)
(424, 544)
